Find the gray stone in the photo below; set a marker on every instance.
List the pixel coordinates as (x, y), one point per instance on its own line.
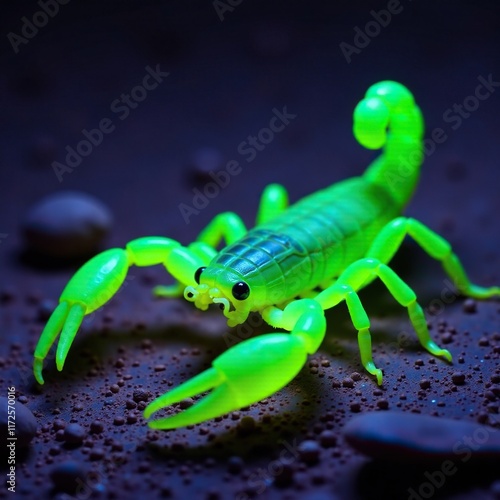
(410, 437)
(25, 424)
(66, 224)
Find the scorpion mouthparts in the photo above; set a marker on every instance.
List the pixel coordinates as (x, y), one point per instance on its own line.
(203, 296)
(224, 304)
(190, 293)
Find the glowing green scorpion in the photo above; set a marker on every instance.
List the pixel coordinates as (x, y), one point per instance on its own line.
(323, 249)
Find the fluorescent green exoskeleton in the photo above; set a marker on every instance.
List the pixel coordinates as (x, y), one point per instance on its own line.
(323, 249)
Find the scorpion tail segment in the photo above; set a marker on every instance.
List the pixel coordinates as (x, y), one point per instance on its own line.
(405, 118)
(371, 118)
(386, 104)
(388, 117)
(244, 374)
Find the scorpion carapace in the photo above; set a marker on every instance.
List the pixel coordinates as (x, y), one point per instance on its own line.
(297, 262)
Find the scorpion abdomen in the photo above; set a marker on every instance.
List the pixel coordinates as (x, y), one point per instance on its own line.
(313, 241)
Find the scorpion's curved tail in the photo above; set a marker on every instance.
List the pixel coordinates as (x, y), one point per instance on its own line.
(388, 117)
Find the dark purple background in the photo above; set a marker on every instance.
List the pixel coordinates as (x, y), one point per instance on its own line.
(225, 79)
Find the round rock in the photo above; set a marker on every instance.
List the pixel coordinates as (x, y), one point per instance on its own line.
(74, 434)
(66, 224)
(414, 438)
(68, 476)
(25, 422)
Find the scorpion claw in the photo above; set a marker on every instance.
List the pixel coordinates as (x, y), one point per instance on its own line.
(205, 381)
(244, 374)
(219, 402)
(66, 317)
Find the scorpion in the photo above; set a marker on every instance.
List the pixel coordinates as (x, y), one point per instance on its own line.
(297, 262)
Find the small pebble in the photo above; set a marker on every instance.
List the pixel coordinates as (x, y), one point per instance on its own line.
(458, 378)
(469, 306)
(355, 407)
(66, 224)
(309, 451)
(327, 439)
(140, 395)
(130, 405)
(425, 383)
(131, 418)
(26, 424)
(490, 396)
(383, 404)
(447, 338)
(74, 434)
(96, 427)
(186, 403)
(348, 382)
(119, 420)
(68, 476)
(58, 424)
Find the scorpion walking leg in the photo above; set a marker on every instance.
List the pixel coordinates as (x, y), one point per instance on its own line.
(226, 226)
(273, 201)
(230, 227)
(249, 371)
(356, 276)
(391, 236)
(99, 279)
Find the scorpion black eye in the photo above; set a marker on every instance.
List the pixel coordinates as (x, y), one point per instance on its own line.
(241, 291)
(198, 273)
